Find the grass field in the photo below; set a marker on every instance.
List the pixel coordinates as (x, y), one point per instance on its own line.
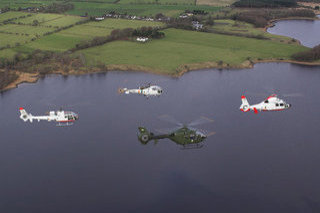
(242, 28)
(25, 29)
(181, 47)
(215, 2)
(62, 40)
(67, 39)
(166, 2)
(12, 34)
(10, 15)
(124, 23)
(12, 40)
(53, 20)
(15, 4)
(135, 9)
(132, 7)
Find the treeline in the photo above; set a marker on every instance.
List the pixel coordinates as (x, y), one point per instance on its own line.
(309, 55)
(266, 3)
(148, 32)
(57, 8)
(6, 78)
(261, 17)
(43, 62)
(179, 23)
(120, 34)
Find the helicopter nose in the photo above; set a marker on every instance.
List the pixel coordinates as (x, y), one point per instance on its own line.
(203, 136)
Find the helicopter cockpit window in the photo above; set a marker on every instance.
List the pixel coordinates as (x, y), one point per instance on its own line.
(281, 104)
(266, 101)
(277, 105)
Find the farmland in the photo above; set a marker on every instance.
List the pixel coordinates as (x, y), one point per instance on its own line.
(67, 39)
(132, 7)
(244, 29)
(180, 47)
(22, 29)
(25, 37)
(97, 9)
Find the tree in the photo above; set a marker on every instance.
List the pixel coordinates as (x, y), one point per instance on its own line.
(35, 23)
(210, 21)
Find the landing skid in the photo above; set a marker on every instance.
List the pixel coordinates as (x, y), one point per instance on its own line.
(192, 146)
(64, 124)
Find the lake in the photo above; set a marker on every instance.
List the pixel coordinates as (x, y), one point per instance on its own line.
(306, 31)
(254, 163)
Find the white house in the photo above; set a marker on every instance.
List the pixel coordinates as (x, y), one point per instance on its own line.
(142, 39)
(99, 18)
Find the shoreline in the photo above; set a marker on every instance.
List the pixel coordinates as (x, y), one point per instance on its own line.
(272, 21)
(34, 77)
(180, 71)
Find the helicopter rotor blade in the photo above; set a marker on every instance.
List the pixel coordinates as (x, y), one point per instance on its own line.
(210, 134)
(292, 95)
(277, 92)
(170, 119)
(200, 121)
(206, 132)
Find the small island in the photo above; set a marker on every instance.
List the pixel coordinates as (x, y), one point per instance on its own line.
(84, 37)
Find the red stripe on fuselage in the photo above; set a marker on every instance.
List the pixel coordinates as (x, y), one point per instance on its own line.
(65, 121)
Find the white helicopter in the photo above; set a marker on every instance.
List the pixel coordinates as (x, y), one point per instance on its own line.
(272, 103)
(63, 118)
(148, 90)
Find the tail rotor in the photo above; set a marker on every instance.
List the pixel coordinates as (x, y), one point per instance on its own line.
(245, 106)
(24, 115)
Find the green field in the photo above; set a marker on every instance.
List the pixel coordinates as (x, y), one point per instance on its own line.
(62, 40)
(166, 2)
(135, 9)
(215, 2)
(12, 40)
(67, 39)
(25, 29)
(181, 47)
(131, 7)
(11, 15)
(124, 23)
(15, 4)
(245, 29)
(52, 20)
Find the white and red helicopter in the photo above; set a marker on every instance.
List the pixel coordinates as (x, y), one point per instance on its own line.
(63, 118)
(272, 103)
(148, 90)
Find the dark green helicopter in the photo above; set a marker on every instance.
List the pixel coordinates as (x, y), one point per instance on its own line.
(187, 137)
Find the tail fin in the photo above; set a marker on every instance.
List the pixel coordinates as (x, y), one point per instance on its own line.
(245, 106)
(24, 115)
(144, 135)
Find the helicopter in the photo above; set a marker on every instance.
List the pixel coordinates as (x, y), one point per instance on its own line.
(271, 103)
(148, 90)
(185, 136)
(63, 118)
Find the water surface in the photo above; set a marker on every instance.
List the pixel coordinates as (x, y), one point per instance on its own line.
(306, 31)
(255, 163)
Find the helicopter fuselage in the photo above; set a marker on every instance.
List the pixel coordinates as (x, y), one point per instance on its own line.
(183, 136)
